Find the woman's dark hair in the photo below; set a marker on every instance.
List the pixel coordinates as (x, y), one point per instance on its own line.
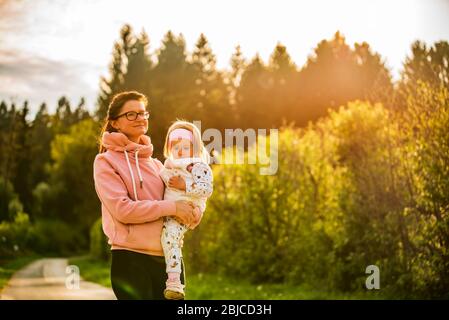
(114, 109)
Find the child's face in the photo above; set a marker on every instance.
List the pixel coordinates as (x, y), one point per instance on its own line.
(182, 149)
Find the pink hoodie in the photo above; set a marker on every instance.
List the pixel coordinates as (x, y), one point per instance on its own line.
(130, 190)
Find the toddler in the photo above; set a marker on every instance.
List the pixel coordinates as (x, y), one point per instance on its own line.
(187, 176)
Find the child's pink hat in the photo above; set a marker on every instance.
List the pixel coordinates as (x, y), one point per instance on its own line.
(179, 134)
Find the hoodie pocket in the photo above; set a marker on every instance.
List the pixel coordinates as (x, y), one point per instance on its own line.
(133, 234)
(129, 232)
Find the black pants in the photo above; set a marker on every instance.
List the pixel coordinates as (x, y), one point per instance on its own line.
(138, 276)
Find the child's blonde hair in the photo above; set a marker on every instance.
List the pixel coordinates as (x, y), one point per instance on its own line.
(199, 151)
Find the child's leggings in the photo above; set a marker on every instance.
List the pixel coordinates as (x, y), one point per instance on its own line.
(172, 233)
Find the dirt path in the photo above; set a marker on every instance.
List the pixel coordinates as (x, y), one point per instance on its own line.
(45, 279)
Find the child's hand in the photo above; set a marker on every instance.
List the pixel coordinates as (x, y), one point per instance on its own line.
(177, 182)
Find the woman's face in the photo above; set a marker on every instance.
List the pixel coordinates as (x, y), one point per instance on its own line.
(182, 149)
(125, 124)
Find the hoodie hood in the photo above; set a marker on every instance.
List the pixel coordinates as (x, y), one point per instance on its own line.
(117, 141)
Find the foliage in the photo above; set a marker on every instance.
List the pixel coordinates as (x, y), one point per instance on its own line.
(353, 190)
(72, 196)
(99, 248)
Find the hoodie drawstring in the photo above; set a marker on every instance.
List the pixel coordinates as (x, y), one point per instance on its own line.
(138, 170)
(132, 175)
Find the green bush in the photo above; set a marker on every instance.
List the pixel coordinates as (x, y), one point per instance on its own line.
(426, 123)
(41, 199)
(272, 228)
(16, 236)
(70, 195)
(99, 247)
(45, 237)
(10, 204)
(54, 237)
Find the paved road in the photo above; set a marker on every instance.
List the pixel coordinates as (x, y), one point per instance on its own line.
(45, 279)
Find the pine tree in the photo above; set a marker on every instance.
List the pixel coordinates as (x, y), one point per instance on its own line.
(63, 118)
(210, 104)
(40, 139)
(114, 83)
(3, 115)
(4, 126)
(375, 79)
(426, 64)
(81, 113)
(336, 74)
(139, 65)
(20, 147)
(238, 64)
(253, 96)
(173, 81)
(284, 92)
(9, 149)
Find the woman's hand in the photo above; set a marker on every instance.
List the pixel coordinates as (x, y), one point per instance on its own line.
(184, 212)
(197, 218)
(177, 182)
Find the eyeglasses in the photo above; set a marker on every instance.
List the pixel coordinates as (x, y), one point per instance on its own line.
(132, 115)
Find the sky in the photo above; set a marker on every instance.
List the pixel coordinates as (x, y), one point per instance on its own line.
(50, 48)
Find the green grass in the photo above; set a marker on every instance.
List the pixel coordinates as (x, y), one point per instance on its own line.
(93, 269)
(214, 287)
(211, 287)
(9, 266)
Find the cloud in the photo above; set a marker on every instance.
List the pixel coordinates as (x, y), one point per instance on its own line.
(13, 15)
(39, 79)
(27, 73)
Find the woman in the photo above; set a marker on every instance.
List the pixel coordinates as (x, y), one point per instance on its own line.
(131, 193)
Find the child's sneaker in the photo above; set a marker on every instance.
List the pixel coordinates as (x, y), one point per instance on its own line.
(174, 290)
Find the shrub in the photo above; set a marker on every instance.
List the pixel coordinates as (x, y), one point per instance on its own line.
(54, 237)
(10, 204)
(16, 236)
(99, 247)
